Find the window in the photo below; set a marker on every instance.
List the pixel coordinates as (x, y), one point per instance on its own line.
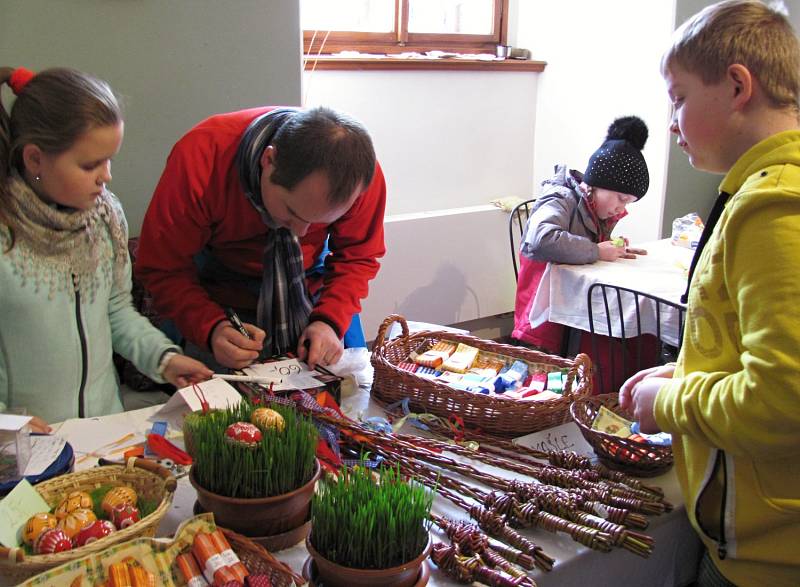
(396, 26)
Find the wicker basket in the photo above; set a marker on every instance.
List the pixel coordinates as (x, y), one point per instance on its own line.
(259, 561)
(150, 480)
(636, 458)
(492, 415)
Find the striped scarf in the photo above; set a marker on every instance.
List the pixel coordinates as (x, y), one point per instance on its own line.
(283, 302)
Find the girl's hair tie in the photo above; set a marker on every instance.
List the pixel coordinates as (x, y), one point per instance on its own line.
(19, 79)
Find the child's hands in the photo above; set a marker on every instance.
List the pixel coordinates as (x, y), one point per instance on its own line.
(39, 425)
(182, 371)
(611, 250)
(638, 394)
(643, 398)
(626, 391)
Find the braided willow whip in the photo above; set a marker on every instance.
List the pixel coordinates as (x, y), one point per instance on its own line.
(597, 507)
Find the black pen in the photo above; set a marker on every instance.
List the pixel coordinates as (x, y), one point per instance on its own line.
(233, 318)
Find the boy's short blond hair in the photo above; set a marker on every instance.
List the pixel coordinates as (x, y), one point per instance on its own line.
(747, 32)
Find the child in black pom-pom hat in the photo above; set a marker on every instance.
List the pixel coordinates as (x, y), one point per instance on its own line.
(571, 222)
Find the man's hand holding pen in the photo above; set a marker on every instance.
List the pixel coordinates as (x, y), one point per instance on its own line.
(236, 344)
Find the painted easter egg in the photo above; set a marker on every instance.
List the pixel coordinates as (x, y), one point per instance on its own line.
(118, 495)
(94, 531)
(37, 524)
(74, 501)
(76, 521)
(124, 514)
(52, 541)
(243, 434)
(268, 419)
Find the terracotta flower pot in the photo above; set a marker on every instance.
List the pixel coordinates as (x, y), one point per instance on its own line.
(332, 575)
(265, 516)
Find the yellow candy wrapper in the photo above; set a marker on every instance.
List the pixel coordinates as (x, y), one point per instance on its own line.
(610, 423)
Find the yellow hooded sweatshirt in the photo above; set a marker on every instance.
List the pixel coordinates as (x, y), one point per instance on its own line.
(733, 404)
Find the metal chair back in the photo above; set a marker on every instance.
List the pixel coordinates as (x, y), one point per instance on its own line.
(516, 228)
(630, 313)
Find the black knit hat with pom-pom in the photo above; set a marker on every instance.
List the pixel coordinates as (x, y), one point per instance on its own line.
(618, 164)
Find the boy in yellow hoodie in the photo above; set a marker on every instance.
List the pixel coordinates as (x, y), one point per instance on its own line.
(732, 401)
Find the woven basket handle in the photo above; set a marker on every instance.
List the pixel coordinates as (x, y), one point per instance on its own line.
(582, 366)
(384, 328)
(170, 483)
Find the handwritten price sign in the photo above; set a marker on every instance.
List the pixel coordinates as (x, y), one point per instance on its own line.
(564, 437)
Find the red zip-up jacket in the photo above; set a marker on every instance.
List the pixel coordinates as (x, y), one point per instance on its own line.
(199, 203)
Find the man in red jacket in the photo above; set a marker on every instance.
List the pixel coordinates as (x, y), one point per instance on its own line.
(245, 207)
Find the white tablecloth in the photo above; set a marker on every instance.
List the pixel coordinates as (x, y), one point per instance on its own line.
(672, 563)
(562, 293)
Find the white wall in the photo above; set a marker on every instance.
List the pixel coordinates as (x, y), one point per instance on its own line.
(445, 139)
(174, 62)
(452, 139)
(603, 62)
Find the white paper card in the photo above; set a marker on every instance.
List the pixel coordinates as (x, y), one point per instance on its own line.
(294, 374)
(13, 422)
(44, 451)
(564, 437)
(218, 393)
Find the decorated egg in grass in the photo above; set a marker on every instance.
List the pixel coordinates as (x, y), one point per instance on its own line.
(243, 434)
(76, 500)
(36, 525)
(124, 514)
(118, 495)
(94, 531)
(76, 521)
(268, 419)
(52, 541)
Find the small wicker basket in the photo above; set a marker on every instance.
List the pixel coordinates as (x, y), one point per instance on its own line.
(259, 561)
(640, 459)
(150, 480)
(497, 416)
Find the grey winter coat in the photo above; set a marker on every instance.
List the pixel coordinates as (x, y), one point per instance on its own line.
(560, 228)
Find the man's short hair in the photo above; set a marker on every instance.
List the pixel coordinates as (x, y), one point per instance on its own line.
(747, 32)
(321, 139)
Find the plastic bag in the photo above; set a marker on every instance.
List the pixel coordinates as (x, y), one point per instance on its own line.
(686, 231)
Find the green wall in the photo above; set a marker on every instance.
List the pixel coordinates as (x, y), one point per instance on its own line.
(174, 62)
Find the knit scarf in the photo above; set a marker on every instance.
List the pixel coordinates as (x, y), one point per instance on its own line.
(63, 251)
(283, 303)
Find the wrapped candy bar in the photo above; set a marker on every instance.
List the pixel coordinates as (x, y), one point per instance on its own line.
(190, 571)
(210, 560)
(486, 365)
(224, 548)
(461, 359)
(435, 355)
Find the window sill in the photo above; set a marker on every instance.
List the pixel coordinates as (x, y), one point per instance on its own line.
(327, 62)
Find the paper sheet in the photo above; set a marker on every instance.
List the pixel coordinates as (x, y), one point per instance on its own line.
(565, 437)
(293, 374)
(16, 508)
(44, 451)
(217, 392)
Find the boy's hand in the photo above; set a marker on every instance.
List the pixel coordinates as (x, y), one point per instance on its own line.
(643, 398)
(626, 391)
(182, 371)
(319, 345)
(233, 349)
